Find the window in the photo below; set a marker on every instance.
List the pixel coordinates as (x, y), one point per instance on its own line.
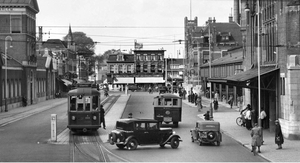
(159, 68)
(152, 126)
(140, 126)
(16, 24)
(128, 68)
(152, 68)
(282, 86)
(87, 103)
(175, 102)
(111, 69)
(120, 69)
(145, 68)
(120, 58)
(138, 68)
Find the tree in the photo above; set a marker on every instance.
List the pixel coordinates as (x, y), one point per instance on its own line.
(85, 46)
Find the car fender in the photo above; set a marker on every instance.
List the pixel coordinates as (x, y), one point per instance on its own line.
(170, 137)
(131, 137)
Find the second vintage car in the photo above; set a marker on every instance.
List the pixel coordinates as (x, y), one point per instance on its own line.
(132, 132)
(207, 132)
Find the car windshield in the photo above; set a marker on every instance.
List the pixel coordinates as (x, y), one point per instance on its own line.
(124, 126)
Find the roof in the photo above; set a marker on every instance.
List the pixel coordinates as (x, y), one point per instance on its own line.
(32, 4)
(129, 120)
(84, 91)
(54, 44)
(246, 75)
(230, 58)
(250, 74)
(128, 58)
(167, 95)
(232, 27)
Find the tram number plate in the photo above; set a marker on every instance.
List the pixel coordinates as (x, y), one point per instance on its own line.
(167, 119)
(87, 118)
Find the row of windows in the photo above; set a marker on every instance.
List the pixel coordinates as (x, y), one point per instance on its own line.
(149, 58)
(222, 70)
(13, 88)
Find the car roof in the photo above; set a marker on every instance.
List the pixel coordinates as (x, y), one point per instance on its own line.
(129, 120)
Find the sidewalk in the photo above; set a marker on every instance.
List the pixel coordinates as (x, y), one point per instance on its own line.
(227, 118)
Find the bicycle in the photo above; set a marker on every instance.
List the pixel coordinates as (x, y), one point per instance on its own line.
(240, 121)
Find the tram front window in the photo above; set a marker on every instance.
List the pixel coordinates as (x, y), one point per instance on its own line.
(73, 103)
(87, 104)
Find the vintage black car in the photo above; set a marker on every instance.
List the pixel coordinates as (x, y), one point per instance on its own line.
(132, 132)
(207, 132)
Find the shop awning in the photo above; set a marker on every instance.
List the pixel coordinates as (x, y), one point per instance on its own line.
(245, 76)
(66, 82)
(124, 80)
(149, 80)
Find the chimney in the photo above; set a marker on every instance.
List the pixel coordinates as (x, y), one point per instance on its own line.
(214, 20)
(209, 20)
(230, 19)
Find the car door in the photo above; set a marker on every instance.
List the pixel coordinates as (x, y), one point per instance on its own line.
(153, 132)
(141, 133)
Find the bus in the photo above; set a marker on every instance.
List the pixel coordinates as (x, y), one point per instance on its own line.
(168, 108)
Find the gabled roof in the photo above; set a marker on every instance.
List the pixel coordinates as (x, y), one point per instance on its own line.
(54, 44)
(32, 4)
(232, 27)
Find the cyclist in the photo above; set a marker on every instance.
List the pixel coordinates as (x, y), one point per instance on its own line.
(243, 114)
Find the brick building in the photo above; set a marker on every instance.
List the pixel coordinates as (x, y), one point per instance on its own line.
(18, 39)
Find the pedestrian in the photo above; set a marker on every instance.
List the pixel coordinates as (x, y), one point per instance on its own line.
(195, 99)
(263, 118)
(253, 117)
(102, 119)
(199, 102)
(217, 96)
(278, 135)
(230, 101)
(207, 116)
(256, 138)
(216, 104)
(248, 118)
(184, 93)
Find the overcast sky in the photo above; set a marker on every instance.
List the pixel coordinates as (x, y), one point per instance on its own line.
(116, 24)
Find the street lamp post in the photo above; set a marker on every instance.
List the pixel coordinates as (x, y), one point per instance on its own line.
(258, 61)
(210, 94)
(6, 90)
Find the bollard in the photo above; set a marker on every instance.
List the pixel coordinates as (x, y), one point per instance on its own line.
(53, 128)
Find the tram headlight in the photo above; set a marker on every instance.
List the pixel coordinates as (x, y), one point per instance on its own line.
(73, 118)
(94, 117)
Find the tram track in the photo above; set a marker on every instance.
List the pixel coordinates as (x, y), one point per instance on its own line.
(88, 147)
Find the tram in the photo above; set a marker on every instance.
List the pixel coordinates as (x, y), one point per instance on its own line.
(168, 108)
(83, 108)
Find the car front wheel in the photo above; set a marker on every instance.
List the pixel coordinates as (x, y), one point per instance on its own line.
(174, 142)
(132, 144)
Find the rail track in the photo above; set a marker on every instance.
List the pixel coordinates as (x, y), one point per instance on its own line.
(88, 147)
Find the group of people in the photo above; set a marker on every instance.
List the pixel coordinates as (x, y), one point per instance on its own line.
(250, 119)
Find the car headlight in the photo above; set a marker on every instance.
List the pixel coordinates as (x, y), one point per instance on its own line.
(94, 117)
(173, 132)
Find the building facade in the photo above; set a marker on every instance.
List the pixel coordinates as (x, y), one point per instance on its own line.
(18, 40)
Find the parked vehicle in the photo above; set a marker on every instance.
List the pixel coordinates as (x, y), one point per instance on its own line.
(168, 108)
(132, 132)
(163, 89)
(133, 87)
(83, 105)
(207, 132)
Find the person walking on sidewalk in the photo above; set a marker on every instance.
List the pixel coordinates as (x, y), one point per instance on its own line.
(278, 135)
(102, 119)
(256, 138)
(230, 101)
(216, 104)
(248, 118)
(199, 102)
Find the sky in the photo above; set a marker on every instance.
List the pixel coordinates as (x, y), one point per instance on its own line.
(117, 24)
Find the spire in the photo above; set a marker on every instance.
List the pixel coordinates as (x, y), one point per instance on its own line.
(70, 35)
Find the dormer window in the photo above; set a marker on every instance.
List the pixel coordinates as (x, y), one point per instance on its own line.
(120, 57)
